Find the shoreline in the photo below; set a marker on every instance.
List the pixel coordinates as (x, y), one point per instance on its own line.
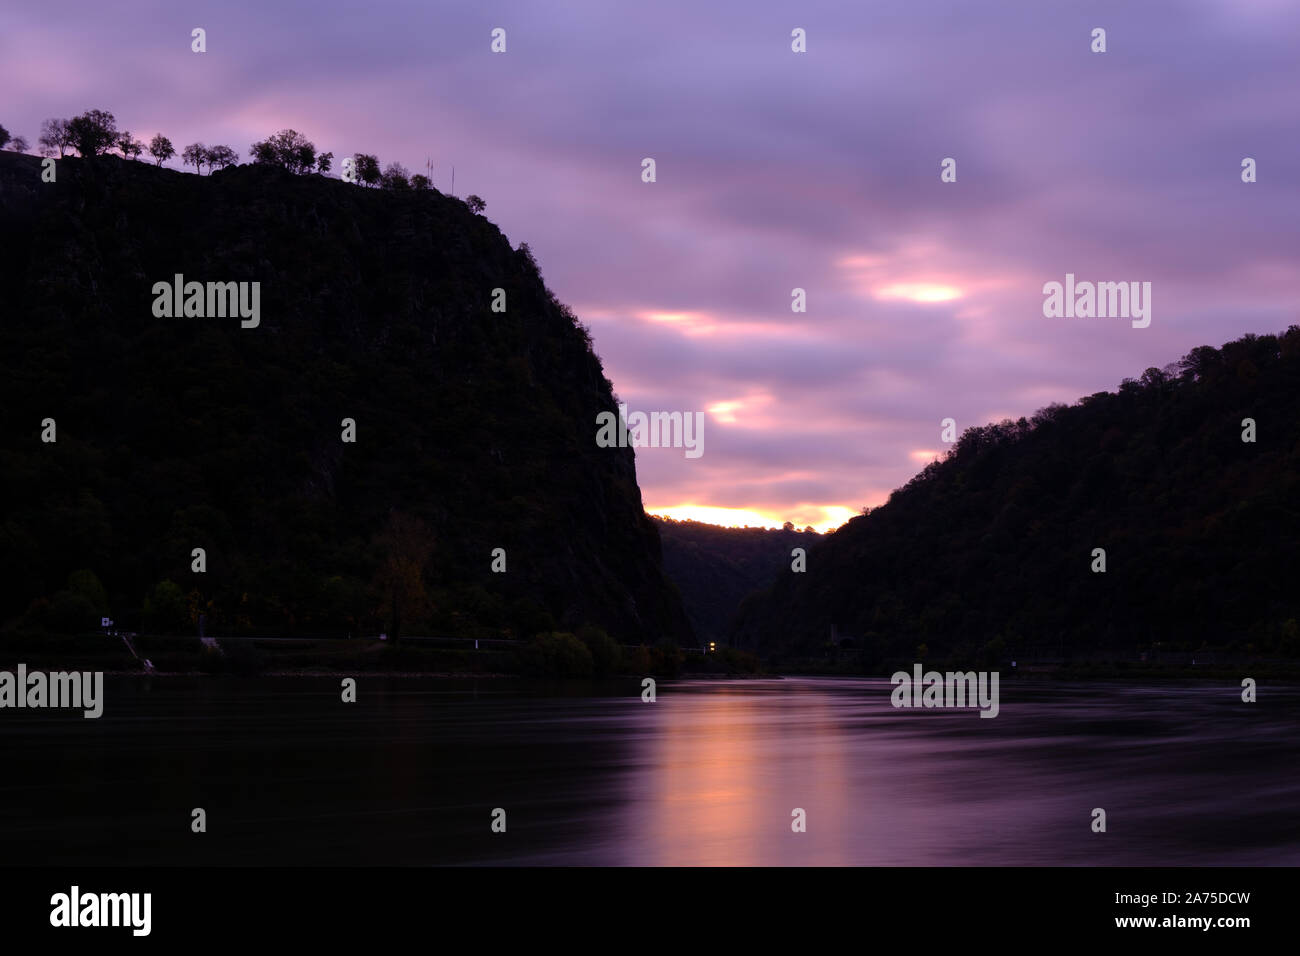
(1038, 676)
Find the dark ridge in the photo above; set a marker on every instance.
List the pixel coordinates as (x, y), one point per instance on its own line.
(989, 552)
(474, 428)
(714, 567)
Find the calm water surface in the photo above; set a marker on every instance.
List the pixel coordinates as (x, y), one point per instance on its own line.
(708, 774)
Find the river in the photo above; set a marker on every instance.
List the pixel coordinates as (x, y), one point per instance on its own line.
(709, 774)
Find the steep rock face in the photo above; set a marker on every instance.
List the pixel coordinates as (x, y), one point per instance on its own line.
(474, 427)
(995, 545)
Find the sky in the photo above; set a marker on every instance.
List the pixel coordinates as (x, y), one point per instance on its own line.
(777, 170)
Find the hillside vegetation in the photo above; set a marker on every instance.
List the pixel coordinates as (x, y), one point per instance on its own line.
(989, 552)
(474, 429)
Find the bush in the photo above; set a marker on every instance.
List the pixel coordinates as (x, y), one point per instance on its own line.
(738, 661)
(606, 655)
(635, 660)
(166, 610)
(75, 609)
(70, 612)
(526, 618)
(666, 660)
(556, 654)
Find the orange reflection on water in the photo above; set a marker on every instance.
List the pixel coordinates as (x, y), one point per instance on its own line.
(729, 767)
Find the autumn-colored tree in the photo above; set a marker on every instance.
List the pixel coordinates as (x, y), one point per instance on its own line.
(405, 547)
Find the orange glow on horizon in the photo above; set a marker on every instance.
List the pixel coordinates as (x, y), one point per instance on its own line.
(821, 517)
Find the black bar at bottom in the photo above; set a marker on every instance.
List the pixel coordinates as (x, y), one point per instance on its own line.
(460, 906)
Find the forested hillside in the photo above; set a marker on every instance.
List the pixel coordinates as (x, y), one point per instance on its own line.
(992, 549)
(714, 567)
(474, 428)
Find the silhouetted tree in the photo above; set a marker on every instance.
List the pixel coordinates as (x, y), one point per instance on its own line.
(128, 145)
(476, 205)
(305, 158)
(323, 163)
(4, 137)
(18, 144)
(367, 168)
(1202, 362)
(219, 157)
(420, 182)
(525, 252)
(287, 148)
(56, 135)
(93, 132)
(395, 177)
(161, 149)
(195, 154)
(264, 153)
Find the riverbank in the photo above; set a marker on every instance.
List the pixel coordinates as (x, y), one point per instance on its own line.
(1077, 671)
(557, 656)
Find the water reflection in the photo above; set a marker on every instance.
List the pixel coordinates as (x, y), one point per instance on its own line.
(707, 775)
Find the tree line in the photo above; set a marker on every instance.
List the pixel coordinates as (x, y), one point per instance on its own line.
(95, 133)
